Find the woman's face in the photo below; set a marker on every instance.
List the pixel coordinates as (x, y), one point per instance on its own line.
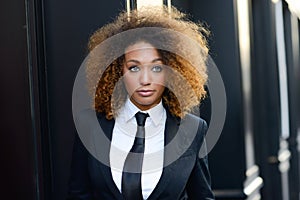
(144, 75)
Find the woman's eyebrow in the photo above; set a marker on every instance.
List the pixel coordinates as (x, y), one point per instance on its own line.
(138, 62)
(132, 60)
(157, 60)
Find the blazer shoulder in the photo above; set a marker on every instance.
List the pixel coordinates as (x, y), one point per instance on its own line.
(193, 119)
(196, 129)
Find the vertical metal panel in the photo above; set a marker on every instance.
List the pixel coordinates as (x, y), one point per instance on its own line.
(281, 56)
(291, 31)
(253, 182)
(38, 98)
(283, 90)
(245, 59)
(233, 155)
(271, 148)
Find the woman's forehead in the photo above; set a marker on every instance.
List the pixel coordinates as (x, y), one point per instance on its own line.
(139, 46)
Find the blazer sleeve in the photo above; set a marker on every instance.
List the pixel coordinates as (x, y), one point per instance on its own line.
(199, 184)
(79, 187)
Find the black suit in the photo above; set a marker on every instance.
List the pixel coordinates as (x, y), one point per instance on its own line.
(185, 178)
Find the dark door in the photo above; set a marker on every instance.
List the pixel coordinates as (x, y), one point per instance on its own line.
(18, 166)
(68, 25)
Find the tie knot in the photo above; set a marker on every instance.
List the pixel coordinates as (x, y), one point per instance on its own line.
(141, 118)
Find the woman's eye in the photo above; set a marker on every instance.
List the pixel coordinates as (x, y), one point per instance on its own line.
(157, 68)
(134, 69)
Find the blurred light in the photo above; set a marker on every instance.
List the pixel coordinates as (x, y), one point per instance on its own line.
(244, 41)
(294, 6)
(254, 185)
(139, 4)
(275, 1)
(143, 3)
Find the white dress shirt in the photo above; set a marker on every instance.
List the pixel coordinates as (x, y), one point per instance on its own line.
(122, 140)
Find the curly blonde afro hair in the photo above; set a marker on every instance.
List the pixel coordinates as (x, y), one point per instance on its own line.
(168, 32)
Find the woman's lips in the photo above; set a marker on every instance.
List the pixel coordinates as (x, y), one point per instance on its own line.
(145, 93)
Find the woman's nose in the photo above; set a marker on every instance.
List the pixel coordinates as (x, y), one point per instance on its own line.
(145, 77)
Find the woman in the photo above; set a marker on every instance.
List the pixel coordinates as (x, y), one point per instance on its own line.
(156, 158)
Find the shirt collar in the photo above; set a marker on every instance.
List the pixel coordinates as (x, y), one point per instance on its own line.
(155, 113)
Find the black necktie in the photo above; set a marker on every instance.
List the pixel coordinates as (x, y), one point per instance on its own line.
(132, 170)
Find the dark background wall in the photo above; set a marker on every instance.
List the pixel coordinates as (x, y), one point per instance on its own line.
(224, 51)
(68, 25)
(17, 166)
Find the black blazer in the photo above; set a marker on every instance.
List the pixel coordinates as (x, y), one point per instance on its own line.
(185, 178)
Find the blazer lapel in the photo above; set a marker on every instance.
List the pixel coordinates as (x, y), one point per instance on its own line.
(171, 128)
(103, 149)
(184, 163)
